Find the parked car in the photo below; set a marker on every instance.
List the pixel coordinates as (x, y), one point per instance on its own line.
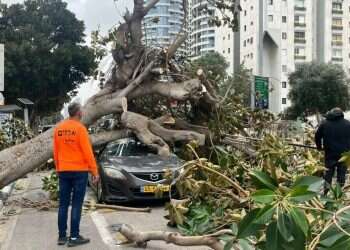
(130, 170)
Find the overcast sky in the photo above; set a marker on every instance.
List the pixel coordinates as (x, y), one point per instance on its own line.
(105, 13)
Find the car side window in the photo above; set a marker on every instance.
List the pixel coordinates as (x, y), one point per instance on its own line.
(112, 150)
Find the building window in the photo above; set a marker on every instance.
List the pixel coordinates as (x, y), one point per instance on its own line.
(244, 44)
(338, 22)
(228, 37)
(299, 19)
(284, 35)
(284, 100)
(223, 52)
(251, 7)
(251, 40)
(284, 85)
(270, 2)
(300, 3)
(251, 23)
(270, 18)
(245, 13)
(229, 50)
(245, 27)
(337, 53)
(337, 6)
(299, 51)
(284, 68)
(337, 37)
(284, 19)
(299, 35)
(251, 55)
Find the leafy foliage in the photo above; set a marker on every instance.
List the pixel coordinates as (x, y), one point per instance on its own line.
(13, 132)
(45, 58)
(316, 88)
(283, 209)
(50, 184)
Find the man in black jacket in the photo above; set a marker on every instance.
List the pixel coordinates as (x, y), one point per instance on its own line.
(333, 136)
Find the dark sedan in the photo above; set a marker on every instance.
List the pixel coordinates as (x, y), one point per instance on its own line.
(130, 171)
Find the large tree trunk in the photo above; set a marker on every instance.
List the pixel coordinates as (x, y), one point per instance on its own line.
(134, 75)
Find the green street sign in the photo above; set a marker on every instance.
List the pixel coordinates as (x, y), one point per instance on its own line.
(261, 90)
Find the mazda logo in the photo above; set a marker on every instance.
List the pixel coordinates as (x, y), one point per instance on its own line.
(154, 177)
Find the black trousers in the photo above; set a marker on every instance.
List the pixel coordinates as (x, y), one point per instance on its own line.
(329, 173)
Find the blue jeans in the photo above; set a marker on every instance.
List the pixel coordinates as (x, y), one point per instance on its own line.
(72, 186)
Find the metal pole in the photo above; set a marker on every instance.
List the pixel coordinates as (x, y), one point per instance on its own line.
(26, 116)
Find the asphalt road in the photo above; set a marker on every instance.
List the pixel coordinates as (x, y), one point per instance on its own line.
(30, 229)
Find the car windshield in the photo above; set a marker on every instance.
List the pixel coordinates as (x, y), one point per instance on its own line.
(131, 148)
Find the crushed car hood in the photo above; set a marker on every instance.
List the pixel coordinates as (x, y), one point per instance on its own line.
(151, 163)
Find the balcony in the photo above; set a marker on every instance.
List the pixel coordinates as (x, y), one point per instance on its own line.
(300, 40)
(337, 43)
(337, 12)
(337, 59)
(299, 57)
(297, 24)
(299, 8)
(337, 27)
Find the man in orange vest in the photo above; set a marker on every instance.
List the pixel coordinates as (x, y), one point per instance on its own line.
(74, 159)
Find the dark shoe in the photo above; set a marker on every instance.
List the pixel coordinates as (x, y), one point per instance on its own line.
(61, 241)
(80, 240)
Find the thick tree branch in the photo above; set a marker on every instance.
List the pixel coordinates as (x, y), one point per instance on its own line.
(141, 238)
(139, 125)
(178, 91)
(176, 135)
(25, 157)
(135, 83)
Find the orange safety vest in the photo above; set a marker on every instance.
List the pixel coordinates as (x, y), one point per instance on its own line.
(72, 148)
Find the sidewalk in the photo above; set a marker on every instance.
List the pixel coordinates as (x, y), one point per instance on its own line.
(30, 229)
(37, 230)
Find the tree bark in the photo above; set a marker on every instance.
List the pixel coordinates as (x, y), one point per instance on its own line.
(131, 78)
(141, 238)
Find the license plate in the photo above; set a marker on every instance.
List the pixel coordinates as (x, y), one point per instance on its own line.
(153, 188)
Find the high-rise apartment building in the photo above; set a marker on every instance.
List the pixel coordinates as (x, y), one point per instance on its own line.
(276, 36)
(333, 26)
(163, 23)
(206, 36)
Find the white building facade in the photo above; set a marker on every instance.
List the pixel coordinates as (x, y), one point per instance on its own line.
(206, 36)
(276, 36)
(163, 23)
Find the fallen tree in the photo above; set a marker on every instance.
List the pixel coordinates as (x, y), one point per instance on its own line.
(134, 74)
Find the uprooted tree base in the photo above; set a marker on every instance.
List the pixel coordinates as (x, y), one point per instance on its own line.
(135, 74)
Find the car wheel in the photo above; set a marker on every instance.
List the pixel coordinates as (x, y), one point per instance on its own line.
(100, 194)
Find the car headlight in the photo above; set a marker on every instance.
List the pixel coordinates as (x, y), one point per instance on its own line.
(114, 173)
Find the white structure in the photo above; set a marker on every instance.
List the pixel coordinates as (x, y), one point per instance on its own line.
(206, 37)
(2, 69)
(278, 35)
(333, 32)
(163, 23)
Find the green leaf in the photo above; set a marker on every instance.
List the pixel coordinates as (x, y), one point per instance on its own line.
(228, 245)
(245, 245)
(313, 183)
(234, 228)
(301, 194)
(284, 225)
(300, 220)
(265, 214)
(264, 196)
(332, 235)
(246, 226)
(264, 180)
(341, 244)
(273, 237)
